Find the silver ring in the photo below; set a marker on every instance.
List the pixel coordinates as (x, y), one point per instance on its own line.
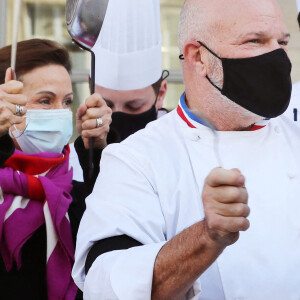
(99, 122)
(19, 109)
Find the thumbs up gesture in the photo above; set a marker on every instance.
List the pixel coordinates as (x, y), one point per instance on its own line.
(12, 103)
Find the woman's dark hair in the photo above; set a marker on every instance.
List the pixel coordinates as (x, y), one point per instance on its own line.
(32, 54)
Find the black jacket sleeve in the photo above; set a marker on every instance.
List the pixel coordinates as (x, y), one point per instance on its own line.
(120, 242)
(7, 148)
(83, 157)
(82, 189)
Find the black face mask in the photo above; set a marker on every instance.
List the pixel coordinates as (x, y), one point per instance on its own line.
(124, 124)
(261, 84)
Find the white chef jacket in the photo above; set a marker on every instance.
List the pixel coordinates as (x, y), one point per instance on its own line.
(150, 188)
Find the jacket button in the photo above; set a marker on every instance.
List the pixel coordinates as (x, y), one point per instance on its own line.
(291, 175)
(195, 137)
(277, 129)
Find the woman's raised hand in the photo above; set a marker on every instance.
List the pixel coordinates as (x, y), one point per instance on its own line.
(12, 103)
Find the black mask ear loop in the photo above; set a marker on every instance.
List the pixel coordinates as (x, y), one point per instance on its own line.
(165, 74)
(216, 55)
(181, 57)
(155, 100)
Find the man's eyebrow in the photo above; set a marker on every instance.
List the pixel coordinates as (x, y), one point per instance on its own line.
(135, 100)
(286, 35)
(129, 101)
(261, 34)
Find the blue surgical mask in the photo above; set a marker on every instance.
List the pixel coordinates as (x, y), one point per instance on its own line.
(47, 130)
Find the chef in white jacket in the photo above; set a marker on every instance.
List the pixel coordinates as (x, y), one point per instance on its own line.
(169, 217)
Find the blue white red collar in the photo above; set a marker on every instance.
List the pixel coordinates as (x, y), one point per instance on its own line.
(192, 120)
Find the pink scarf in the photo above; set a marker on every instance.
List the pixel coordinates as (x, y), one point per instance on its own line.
(35, 189)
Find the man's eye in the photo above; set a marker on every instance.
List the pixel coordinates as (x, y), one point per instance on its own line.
(134, 108)
(283, 43)
(109, 104)
(254, 41)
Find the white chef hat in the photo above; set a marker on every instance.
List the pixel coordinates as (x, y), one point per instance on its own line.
(128, 49)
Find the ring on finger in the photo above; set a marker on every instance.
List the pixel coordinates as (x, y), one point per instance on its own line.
(99, 122)
(19, 109)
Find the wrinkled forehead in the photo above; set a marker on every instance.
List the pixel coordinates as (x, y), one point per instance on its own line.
(233, 18)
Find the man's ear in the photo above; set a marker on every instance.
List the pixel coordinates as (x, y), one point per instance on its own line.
(193, 55)
(161, 94)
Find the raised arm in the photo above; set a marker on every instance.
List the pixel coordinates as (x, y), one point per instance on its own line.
(185, 257)
(10, 97)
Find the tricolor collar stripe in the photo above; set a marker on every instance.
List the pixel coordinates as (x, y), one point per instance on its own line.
(183, 117)
(257, 127)
(188, 112)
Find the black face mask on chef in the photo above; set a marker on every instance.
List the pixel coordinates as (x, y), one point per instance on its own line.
(261, 84)
(124, 124)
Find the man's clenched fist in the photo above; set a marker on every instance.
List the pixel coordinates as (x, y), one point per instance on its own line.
(225, 201)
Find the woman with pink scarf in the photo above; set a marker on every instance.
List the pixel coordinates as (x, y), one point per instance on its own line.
(40, 205)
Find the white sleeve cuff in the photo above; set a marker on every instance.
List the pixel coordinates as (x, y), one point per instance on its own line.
(123, 274)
